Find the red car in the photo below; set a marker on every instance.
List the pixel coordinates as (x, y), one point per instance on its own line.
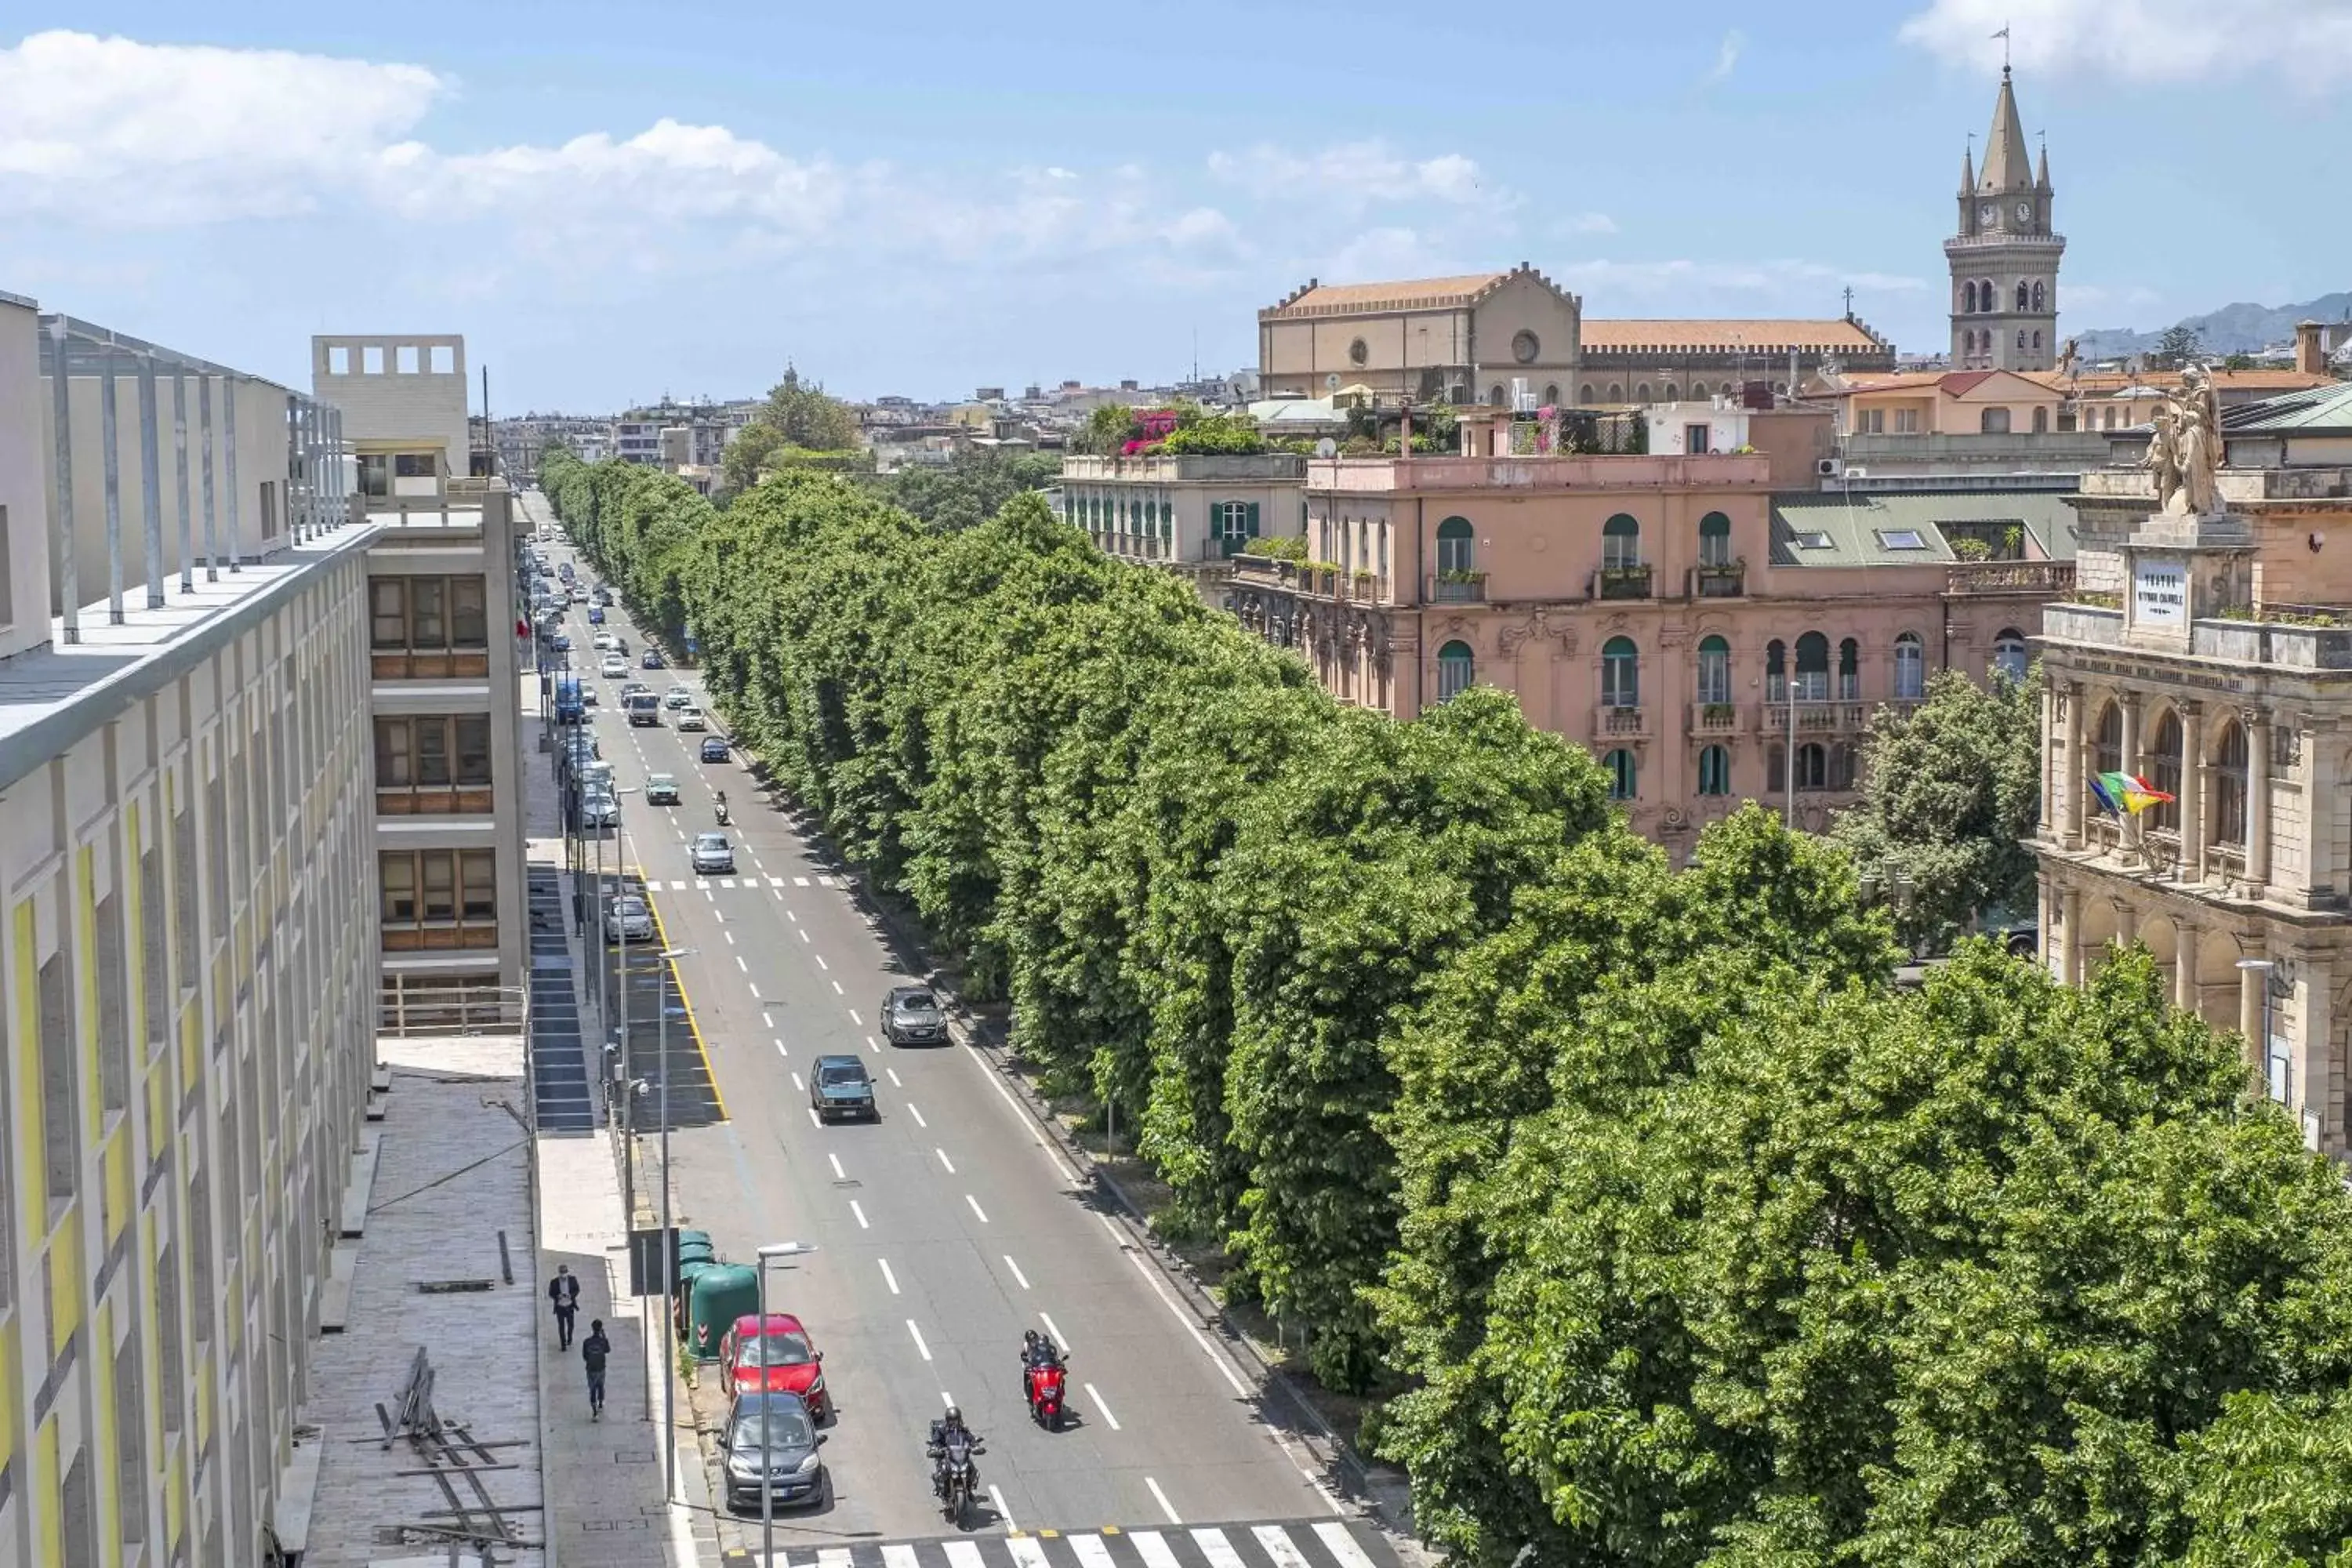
(780, 1360)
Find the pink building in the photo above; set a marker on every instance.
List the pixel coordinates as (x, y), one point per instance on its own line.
(1660, 609)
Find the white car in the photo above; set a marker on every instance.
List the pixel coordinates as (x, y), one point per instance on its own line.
(626, 918)
(606, 642)
(712, 855)
(690, 718)
(678, 697)
(614, 667)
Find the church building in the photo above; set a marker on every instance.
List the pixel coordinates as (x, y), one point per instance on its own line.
(2004, 259)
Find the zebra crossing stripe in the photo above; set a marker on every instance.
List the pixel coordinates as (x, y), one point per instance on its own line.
(1275, 1542)
(1342, 1545)
(833, 1557)
(899, 1557)
(1092, 1552)
(1154, 1548)
(1217, 1548)
(800, 882)
(965, 1554)
(1028, 1551)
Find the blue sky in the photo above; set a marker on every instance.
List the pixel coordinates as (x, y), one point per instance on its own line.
(616, 201)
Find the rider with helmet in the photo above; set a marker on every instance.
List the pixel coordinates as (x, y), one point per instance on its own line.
(943, 1430)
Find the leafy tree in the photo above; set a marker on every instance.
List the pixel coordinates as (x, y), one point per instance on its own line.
(2176, 347)
(804, 416)
(2239, 361)
(1224, 434)
(745, 458)
(1105, 430)
(969, 491)
(1951, 794)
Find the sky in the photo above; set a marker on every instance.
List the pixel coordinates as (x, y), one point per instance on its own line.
(618, 202)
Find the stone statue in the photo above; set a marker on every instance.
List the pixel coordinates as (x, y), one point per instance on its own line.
(2067, 357)
(2197, 438)
(2163, 458)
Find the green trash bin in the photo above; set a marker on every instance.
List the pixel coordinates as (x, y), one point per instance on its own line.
(718, 1294)
(689, 1270)
(696, 1247)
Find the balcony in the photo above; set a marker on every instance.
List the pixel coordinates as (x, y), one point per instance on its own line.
(1620, 722)
(1458, 588)
(1197, 467)
(1726, 582)
(1266, 571)
(1713, 718)
(2260, 636)
(1621, 583)
(1970, 579)
(1816, 719)
(1611, 472)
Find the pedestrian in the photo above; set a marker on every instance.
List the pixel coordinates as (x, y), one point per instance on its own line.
(592, 1351)
(564, 1292)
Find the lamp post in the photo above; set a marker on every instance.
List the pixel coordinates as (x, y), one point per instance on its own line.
(774, 1249)
(664, 958)
(2264, 968)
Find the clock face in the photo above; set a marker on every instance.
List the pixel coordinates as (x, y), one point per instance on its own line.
(2025, 212)
(1985, 212)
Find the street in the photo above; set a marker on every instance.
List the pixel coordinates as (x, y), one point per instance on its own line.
(942, 1231)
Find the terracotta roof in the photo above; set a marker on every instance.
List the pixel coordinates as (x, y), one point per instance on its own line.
(1963, 381)
(1774, 336)
(1417, 292)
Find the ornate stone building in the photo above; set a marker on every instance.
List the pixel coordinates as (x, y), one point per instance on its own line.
(2004, 259)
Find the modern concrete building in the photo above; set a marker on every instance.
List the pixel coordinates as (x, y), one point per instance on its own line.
(1191, 514)
(2213, 656)
(405, 408)
(187, 962)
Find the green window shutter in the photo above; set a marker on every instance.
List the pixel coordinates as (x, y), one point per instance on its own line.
(1249, 526)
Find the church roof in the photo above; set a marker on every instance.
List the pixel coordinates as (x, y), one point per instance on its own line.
(1838, 334)
(1322, 298)
(2007, 166)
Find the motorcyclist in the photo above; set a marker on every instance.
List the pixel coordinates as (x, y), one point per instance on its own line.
(945, 1427)
(1037, 1351)
(721, 807)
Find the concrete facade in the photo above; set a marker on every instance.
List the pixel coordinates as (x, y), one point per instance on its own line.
(405, 404)
(1458, 340)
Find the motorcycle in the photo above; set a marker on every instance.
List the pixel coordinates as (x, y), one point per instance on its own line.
(720, 812)
(961, 1480)
(1045, 1385)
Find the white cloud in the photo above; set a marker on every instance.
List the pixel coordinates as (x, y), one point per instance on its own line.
(1353, 175)
(1586, 223)
(2147, 41)
(1726, 55)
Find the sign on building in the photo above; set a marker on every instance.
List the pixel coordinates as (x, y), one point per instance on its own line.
(2159, 594)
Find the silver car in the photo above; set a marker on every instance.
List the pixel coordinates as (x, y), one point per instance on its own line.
(628, 918)
(713, 855)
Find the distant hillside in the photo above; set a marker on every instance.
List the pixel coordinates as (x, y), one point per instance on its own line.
(2231, 330)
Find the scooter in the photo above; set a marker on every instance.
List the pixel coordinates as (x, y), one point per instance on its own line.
(720, 812)
(1046, 1384)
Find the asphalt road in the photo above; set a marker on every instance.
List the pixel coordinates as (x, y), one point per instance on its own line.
(943, 1230)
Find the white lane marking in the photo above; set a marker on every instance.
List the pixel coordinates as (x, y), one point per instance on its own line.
(838, 1173)
(965, 1554)
(1162, 1499)
(892, 1073)
(781, 1052)
(720, 916)
(861, 1023)
(1028, 1551)
(803, 931)
(944, 1159)
(1155, 1551)
(837, 991)
(792, 917)
(755, 989)
(775, 881)
(1026, 1120)
(800, 882)
(813, 1120)
(976, 1208)
(917, 1114)
(900, 1556)
(1215, 1547)
(1276, 1543)
(860, 1212)
(1161, 1290)
(730, 936)
(741, 964)
(887, 1278)
(1091, 1550)
(997, 1499)
(1102, 1407)
(947, 1399)
(797, 1084)
(833, 1557)
(920, 1348)
(821, 964)
(1016, 1271)
(1342, 1545)
(1054, 1328)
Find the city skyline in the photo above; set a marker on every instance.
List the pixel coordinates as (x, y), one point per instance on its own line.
(967, 208)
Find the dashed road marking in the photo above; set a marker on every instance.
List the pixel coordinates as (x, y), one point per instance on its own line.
(858, 1209)
(945, 1161)
(976, 1208)
(1024, 1278)
(1097, 1400)
(887, 1278)
(921, 1349)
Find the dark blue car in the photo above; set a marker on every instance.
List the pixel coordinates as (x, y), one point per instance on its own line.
(595, 614)
(653, 660)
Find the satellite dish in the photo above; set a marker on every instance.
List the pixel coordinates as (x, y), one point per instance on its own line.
(1332, 382)
(1327, 447)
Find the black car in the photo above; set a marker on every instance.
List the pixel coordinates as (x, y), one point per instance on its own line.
(912, 1017)
(838, 1087)
(714, 748)
(653, 660)
(771, 1445)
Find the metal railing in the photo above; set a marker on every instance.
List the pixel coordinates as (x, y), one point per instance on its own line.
(413, 1009)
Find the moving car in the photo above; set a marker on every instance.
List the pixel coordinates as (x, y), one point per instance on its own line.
(769, 1448)
(661, 789)
(595, 614)
(774, 1358)
(632, 688)
(614, 667)
(628, 918)
(561, 642)
(690, 718)
(641, 707)
(564, 570)
(912, 1017)
(838, 1087)
(603, 594)
(713, 856)
(604, 642)
(653, 660)
(714, 747)
(678, 697)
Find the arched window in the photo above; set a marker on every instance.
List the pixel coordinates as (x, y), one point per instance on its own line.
(1495, 395)
(1842, 766)
(1993, 421)
(1621, 674)
(1455, 670)
(1551, 395)
(1813, 766)
(2164, 772)
(1714, 540)
(2229, 786)
(1699, 391)
(2040, 298)
(1616, 392)
(2024, 297)
(1621, 543)
(1776, 671)
(1776, 769)
(2021, 336)
(1457, 550)
(2008, 653)
(1849, 671)
(1714, 670)
(1623, 779)
(1667, 394)
(2040, 416)
(1642, 393)
(2107, 741)
(1584, 392)
(1910, 668)
(1812, 668)
(2037, 337)
(1969, 298)
(1986, 298)
(1714, 771)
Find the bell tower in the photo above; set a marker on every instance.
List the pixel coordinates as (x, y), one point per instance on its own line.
(2004, 255)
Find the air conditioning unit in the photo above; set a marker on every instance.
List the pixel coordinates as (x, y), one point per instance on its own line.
(1829, 468)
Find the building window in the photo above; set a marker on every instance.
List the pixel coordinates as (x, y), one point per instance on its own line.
(436, 751)
(1812, 767)
(1714, 670)
(1812, 668)
(1667, 394)
(1714, 771)
(1621, 544)
(1455, 670)
(1456, 548)
(1776, 671)
(1714, 540)
(438, 898)
(2008, 653)
(2038, 302)
(1623, 780)
(1551, 395)
(2229, 786)
(1840, 766)
(1616, 392)
(2107, 741)
(1359, 352)
(1906, 422)
(2024, 297)
(1849, 671)
(1524, 347)
(427, 612)
(1695, 440)
(1234, 523)
(1642, 393)
(2041, 419)
(2164, 767)
(1621, 674)
(1584, 392)
(1494, 396)
(1870, 421)
(415, 465)
(1910, 668)
(2021, 339)
(1994, 421)
(1699, 391)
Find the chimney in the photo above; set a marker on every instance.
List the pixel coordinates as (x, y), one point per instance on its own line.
(2311, 348)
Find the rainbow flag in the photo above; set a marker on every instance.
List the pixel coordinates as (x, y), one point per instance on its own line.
(2125, 794)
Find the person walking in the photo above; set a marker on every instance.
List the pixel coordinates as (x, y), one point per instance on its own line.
(592, 1351)
(564, 1292)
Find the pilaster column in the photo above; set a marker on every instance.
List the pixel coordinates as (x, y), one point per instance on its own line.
(2184, 966)
(2318, 1091)
(2251, 982)
(2130, 700)
(2193, 791)
(2069, 769)
(2051, 704)
(2319, 787)
(2126, 925)
(2258, 799)
(2070, 954)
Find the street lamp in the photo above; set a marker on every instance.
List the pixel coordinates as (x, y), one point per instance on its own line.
(2263, 967)
(662, 960)
(774, 1249)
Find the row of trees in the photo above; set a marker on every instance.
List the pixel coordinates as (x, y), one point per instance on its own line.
(1679, 1234)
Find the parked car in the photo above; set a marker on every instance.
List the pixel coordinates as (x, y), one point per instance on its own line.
(690, 718)
(838, 1086)
(598, 809)
(678, 697)
(714, 747)
(559, 641)
(713, 856)
(614, 667)
(628, 918)
(912, 1017)
(774, 1358)
(771, 1448)
(653, 659)
(661, 789)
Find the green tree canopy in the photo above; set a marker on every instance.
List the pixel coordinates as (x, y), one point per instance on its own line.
(804, 416)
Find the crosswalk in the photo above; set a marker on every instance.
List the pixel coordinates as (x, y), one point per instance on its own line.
(1298, 1544)
(680, 886)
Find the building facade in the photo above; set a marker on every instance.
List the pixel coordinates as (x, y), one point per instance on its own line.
(186, 974)
(2005, 256)
(405, 409)
(1457, 340)
(1191, 514)
(1643, 361)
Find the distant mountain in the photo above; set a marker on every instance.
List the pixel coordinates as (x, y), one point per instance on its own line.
(2231, 330)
